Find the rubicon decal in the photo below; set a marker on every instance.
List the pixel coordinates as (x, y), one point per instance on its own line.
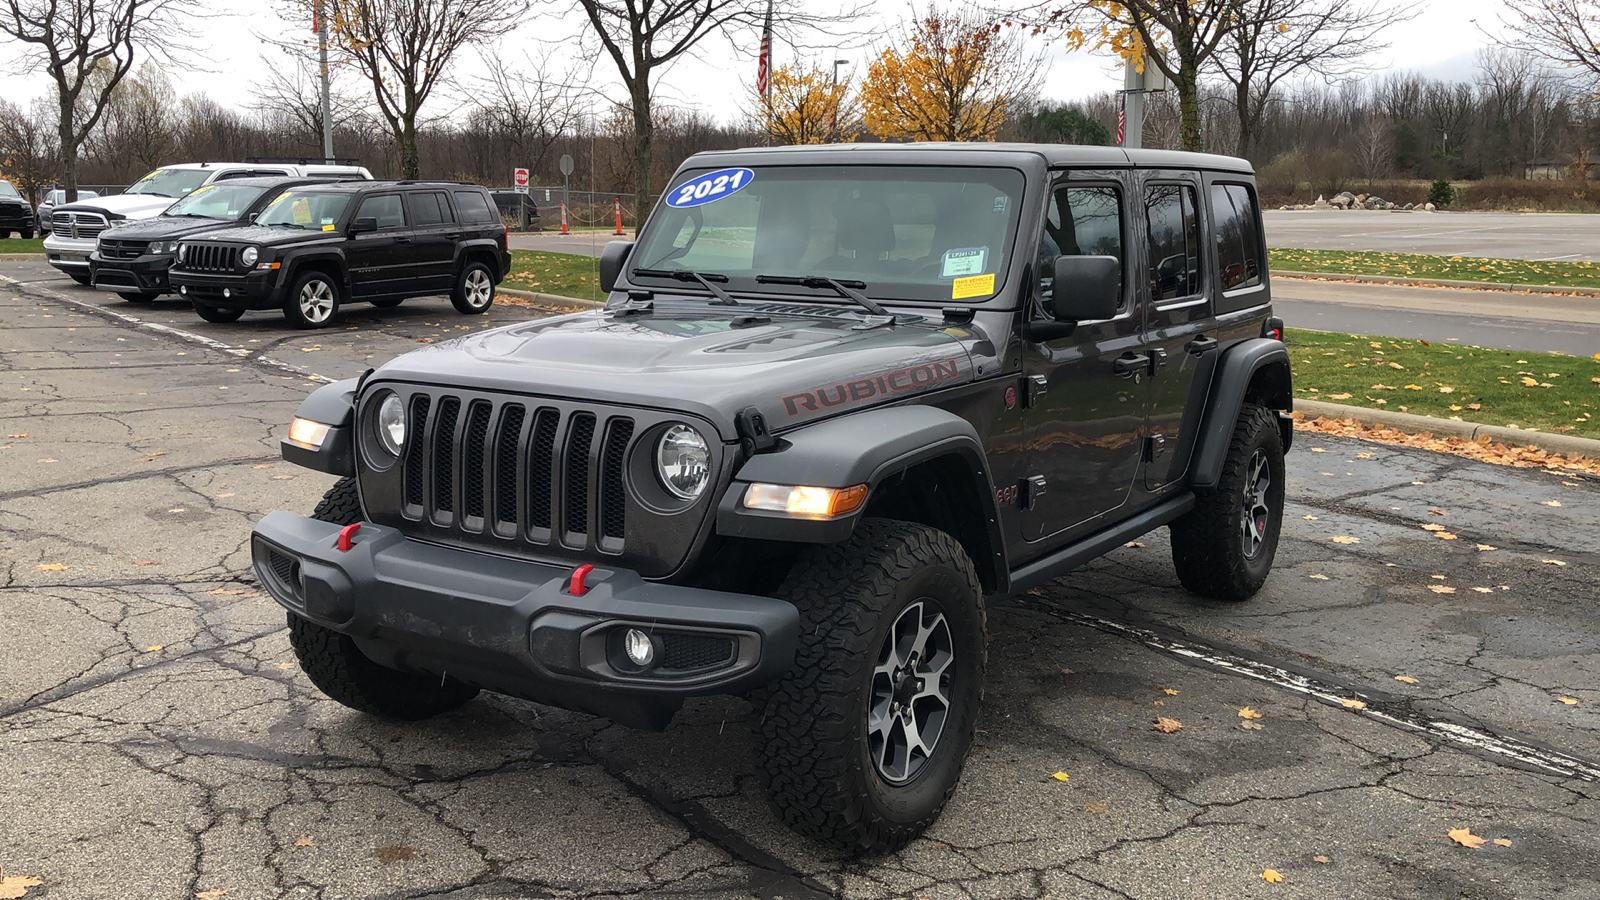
(898, 381)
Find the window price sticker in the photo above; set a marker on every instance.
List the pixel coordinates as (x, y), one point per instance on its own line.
(964, 261)
(972, 286)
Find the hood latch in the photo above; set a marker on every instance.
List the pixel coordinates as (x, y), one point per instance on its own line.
(753, 433)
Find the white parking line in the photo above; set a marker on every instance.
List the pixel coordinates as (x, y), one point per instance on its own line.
(191, 337)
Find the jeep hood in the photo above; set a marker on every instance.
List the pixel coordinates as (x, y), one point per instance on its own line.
(163, 228)
(269, 236)
(794, 364)
(131, 206)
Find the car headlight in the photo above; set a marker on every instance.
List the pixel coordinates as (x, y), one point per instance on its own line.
(683, 460)
(249, 255)
(163, 246)
(390, 424)
(181, 248)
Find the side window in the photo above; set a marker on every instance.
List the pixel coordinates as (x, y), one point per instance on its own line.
(428, 209)
(1174, 241)
(1238, 236)
(473, 207)
(1083, 220)
(385, 208)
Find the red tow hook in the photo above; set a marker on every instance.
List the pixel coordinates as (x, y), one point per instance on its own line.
(345, 534)
(578, 588)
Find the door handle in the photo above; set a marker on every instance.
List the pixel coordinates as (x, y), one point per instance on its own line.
(1131, 366)
(1201, 345)
(401, 239)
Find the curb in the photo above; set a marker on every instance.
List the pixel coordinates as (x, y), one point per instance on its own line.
(1440, 283)
(1471, 431)
(552, 301)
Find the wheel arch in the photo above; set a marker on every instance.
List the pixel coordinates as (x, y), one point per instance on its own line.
(1256, 370)
(332, 266)
(485, 252)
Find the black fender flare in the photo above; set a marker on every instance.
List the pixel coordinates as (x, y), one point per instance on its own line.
(294, 262)
(865, 448)
(332, 405)
(473, 247)
(1235, 371)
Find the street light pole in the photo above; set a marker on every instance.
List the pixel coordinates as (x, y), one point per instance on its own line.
(833, 82)
(327, 104)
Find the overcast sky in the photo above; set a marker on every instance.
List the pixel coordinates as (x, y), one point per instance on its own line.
(1440, 42)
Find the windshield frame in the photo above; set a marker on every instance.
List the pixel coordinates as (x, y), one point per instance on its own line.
(879, 287)
(161, 175)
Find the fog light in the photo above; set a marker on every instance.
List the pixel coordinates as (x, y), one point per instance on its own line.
(641, 651)
(184, 289)
(226, 293)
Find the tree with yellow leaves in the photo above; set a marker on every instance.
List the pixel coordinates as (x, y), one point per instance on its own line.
(805, 105)
(955, 77)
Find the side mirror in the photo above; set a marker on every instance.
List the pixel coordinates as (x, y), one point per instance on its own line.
(612, 258)
(1086, 288)
(364, 225)
(252, 217)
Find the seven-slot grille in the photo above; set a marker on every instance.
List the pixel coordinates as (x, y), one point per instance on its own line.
(77, 224)
(113, 249)
(517, 471)
(209, 258)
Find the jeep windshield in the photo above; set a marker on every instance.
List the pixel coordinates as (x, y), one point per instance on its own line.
(310, 210)
(216, 202)
(931, 233)
(170, 182)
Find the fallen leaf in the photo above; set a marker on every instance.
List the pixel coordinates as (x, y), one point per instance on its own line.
(154, 456)
(14, 886)
(1061, 776)
(395, 854)
(154, 648)
(1365, 455)
(1169, 692)
(1445, 536)
(1318, 450)
(144, 562)
(1353, 703)
(1502, 842)
(1248, 713)
(1529, 382)
(262, 466)
(283, 666)
(1166, 725)
(1552, 562)
(1433, 526)
(1405, 678)
(1446, 389)
(1549, 502)
(1466, 838)
(1318, 577)
(1413, 387)
(1438, 577)
(1320, 859)
(1441, 589)
(18, 437)
(1484, 590)
(1159, 703)
(1271, 876)
(1568, 701)
(1135, 544)
(1474, 406)
(1309, 518)
(1395, 365)
(1345, 539)
(1252, 726)
(1485, 548)
(1097, 808)
(51, 567)
(305, 842)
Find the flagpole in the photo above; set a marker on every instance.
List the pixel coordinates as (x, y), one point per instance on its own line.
(764, 73)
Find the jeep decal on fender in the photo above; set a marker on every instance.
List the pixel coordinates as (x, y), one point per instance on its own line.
(897, 381)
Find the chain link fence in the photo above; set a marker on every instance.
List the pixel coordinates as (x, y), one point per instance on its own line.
(585, 209)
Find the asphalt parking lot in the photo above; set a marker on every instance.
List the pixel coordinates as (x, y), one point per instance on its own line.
(1544, 236)
(158, 741)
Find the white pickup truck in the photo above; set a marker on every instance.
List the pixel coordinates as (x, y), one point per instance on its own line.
(75, 227)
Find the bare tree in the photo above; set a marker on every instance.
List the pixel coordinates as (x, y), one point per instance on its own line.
(138, 130)
(87, 47)
(1274, 40)
(1565, 31)
(292, 94)
(27, 149)
(527, 111)
(403, 48)
(1373, 152)
(643, 37)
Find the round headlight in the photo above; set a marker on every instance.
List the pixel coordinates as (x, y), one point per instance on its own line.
(683, 460)
(249, 255)
(180, 249)
(391, 424)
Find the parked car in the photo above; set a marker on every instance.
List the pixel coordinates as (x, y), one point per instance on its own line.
(132, 259)
(56, 197)
(512, 205)
(838, 397)
(74, 227)
(15, 213)
(318, 247)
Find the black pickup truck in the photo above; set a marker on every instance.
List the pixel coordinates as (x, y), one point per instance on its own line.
(838, 397)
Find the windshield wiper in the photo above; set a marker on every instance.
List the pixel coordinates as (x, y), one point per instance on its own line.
(842, 288)
(705, 279)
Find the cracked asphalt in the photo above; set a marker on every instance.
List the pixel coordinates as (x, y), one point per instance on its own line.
(158, 741)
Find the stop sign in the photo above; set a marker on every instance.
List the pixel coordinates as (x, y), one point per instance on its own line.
(519, 177)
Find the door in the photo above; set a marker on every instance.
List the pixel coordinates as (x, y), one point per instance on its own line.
(433, 234)
(1177, 319)
(380, 260)
(1084, 419)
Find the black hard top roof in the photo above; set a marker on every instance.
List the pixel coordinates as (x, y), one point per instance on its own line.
(353, 185)
(1055, 155)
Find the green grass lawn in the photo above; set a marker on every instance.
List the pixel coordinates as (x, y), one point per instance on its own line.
(1549, 392)
(562, 274)
(14, 245)
(1454, 268)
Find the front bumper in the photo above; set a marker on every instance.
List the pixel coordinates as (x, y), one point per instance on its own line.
(146, 274)
(68, 253)
(12, 222)
(514, 626)
(256, 289)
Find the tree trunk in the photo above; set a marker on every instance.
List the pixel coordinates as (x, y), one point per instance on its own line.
(643, 135)
(1189, 104)
(410, 167)
(1241, 104)
(69, 149)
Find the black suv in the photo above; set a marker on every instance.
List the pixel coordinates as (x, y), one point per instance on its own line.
(837, 398)
(15, 213)
(133, 259)
(316, 247)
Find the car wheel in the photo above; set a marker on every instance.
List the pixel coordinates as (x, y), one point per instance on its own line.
(218, 314)
(334, 663)
(1224, 547)
(474, 290)
(138, 296)
(389, 303)
(79, 277)
(863, 740)
(313, 302)
(27, 234)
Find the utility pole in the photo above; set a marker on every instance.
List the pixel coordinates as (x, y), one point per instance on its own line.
(327, 103)
(1135, 84)
(833, 82)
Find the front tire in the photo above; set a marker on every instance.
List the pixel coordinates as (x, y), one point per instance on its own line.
(27, 234)
(219, 314)
(1224, 547)
(339, 669)
(863, 740)
(474, 290)
(313, 301)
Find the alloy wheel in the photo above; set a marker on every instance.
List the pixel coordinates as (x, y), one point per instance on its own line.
(316, 301)
(479, 289)
(911, 692)
(1255, 515)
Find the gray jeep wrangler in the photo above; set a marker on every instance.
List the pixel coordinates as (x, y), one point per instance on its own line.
(837, 398)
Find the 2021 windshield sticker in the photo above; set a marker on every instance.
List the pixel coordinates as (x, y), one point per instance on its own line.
(710, 187)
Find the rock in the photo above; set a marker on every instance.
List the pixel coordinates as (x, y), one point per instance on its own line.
(1428, 207)
(1283, 207)
(1362, 198)
(1407, 206)
(1343, 200)
(1389, 205)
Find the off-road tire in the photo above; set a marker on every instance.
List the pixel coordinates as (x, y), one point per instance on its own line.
(388, 302)
(1208, 542)
(79, 277)
(26, 233)
(327, 303)
(218, 314)
(139, 296)
(337, 666)
(811, 724)
(474, 290)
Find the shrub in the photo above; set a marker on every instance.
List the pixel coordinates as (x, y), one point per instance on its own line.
(1441, 194)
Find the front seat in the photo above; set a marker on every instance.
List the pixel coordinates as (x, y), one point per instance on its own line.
(864, 235)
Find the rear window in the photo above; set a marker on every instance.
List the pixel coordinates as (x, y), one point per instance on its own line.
(473, 207)
(1238, 236)
(1174, 241)
(428, 209)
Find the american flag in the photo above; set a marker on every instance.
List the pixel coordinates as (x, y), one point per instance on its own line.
(764, 62)
(1122, 116)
